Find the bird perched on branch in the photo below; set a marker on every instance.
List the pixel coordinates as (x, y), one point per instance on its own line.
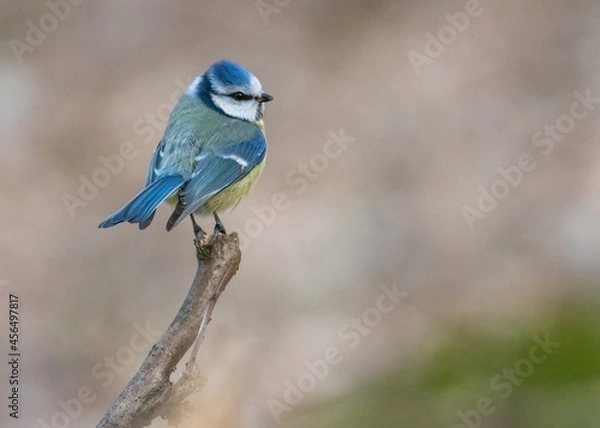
(211, 154)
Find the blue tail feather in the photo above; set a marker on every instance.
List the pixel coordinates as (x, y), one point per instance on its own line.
(141, 208)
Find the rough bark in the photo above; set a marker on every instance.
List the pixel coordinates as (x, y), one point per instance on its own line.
(151, 393)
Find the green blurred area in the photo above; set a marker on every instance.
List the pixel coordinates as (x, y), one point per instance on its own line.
(470, 366)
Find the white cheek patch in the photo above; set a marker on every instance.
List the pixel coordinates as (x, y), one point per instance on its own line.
(246, 110)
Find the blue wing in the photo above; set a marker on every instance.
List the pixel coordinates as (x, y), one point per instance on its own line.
(215, 170)
(141, 208)
(159, 185)
(156, 164)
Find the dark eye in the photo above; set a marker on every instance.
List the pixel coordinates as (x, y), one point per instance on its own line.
(240, 96)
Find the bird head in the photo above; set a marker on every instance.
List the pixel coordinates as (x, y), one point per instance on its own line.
(232, 90)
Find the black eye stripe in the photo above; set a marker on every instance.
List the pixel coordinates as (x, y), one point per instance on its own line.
(240, 96)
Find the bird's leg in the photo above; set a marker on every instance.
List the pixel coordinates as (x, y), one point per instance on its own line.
(219, 228)
(198, 231)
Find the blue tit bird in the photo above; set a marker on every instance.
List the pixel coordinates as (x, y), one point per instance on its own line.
(211, 154)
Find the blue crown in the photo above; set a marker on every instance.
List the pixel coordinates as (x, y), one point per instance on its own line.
(228, 73)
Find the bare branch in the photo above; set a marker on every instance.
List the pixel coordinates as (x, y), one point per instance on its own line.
(150, 393)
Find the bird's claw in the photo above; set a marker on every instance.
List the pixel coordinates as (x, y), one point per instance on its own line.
(219, 228)
(199, 233)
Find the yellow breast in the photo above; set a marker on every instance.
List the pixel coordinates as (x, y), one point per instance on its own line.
(232, 195)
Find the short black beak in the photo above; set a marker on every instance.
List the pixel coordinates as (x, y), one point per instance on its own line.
(265, 98)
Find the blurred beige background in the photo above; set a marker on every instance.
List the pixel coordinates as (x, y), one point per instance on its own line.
(421, 144)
